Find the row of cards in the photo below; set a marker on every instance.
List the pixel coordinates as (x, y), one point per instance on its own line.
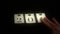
(28, 18)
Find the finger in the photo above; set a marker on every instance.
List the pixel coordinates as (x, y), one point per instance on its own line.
(51, 23)
(46, 23)
(55, 21)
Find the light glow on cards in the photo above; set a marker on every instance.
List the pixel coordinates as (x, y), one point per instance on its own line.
(29, 18)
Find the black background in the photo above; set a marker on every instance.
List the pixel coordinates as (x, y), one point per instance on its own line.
(49, 7)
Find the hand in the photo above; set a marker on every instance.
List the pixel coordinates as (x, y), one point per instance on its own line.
(54, 25)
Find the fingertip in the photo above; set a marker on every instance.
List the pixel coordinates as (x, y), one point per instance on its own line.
(43, 17)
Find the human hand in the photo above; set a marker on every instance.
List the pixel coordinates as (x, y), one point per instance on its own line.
(54, 25)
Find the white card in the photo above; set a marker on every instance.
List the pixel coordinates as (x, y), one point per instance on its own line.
(30, 18)
(39, 15)
(18, 18)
